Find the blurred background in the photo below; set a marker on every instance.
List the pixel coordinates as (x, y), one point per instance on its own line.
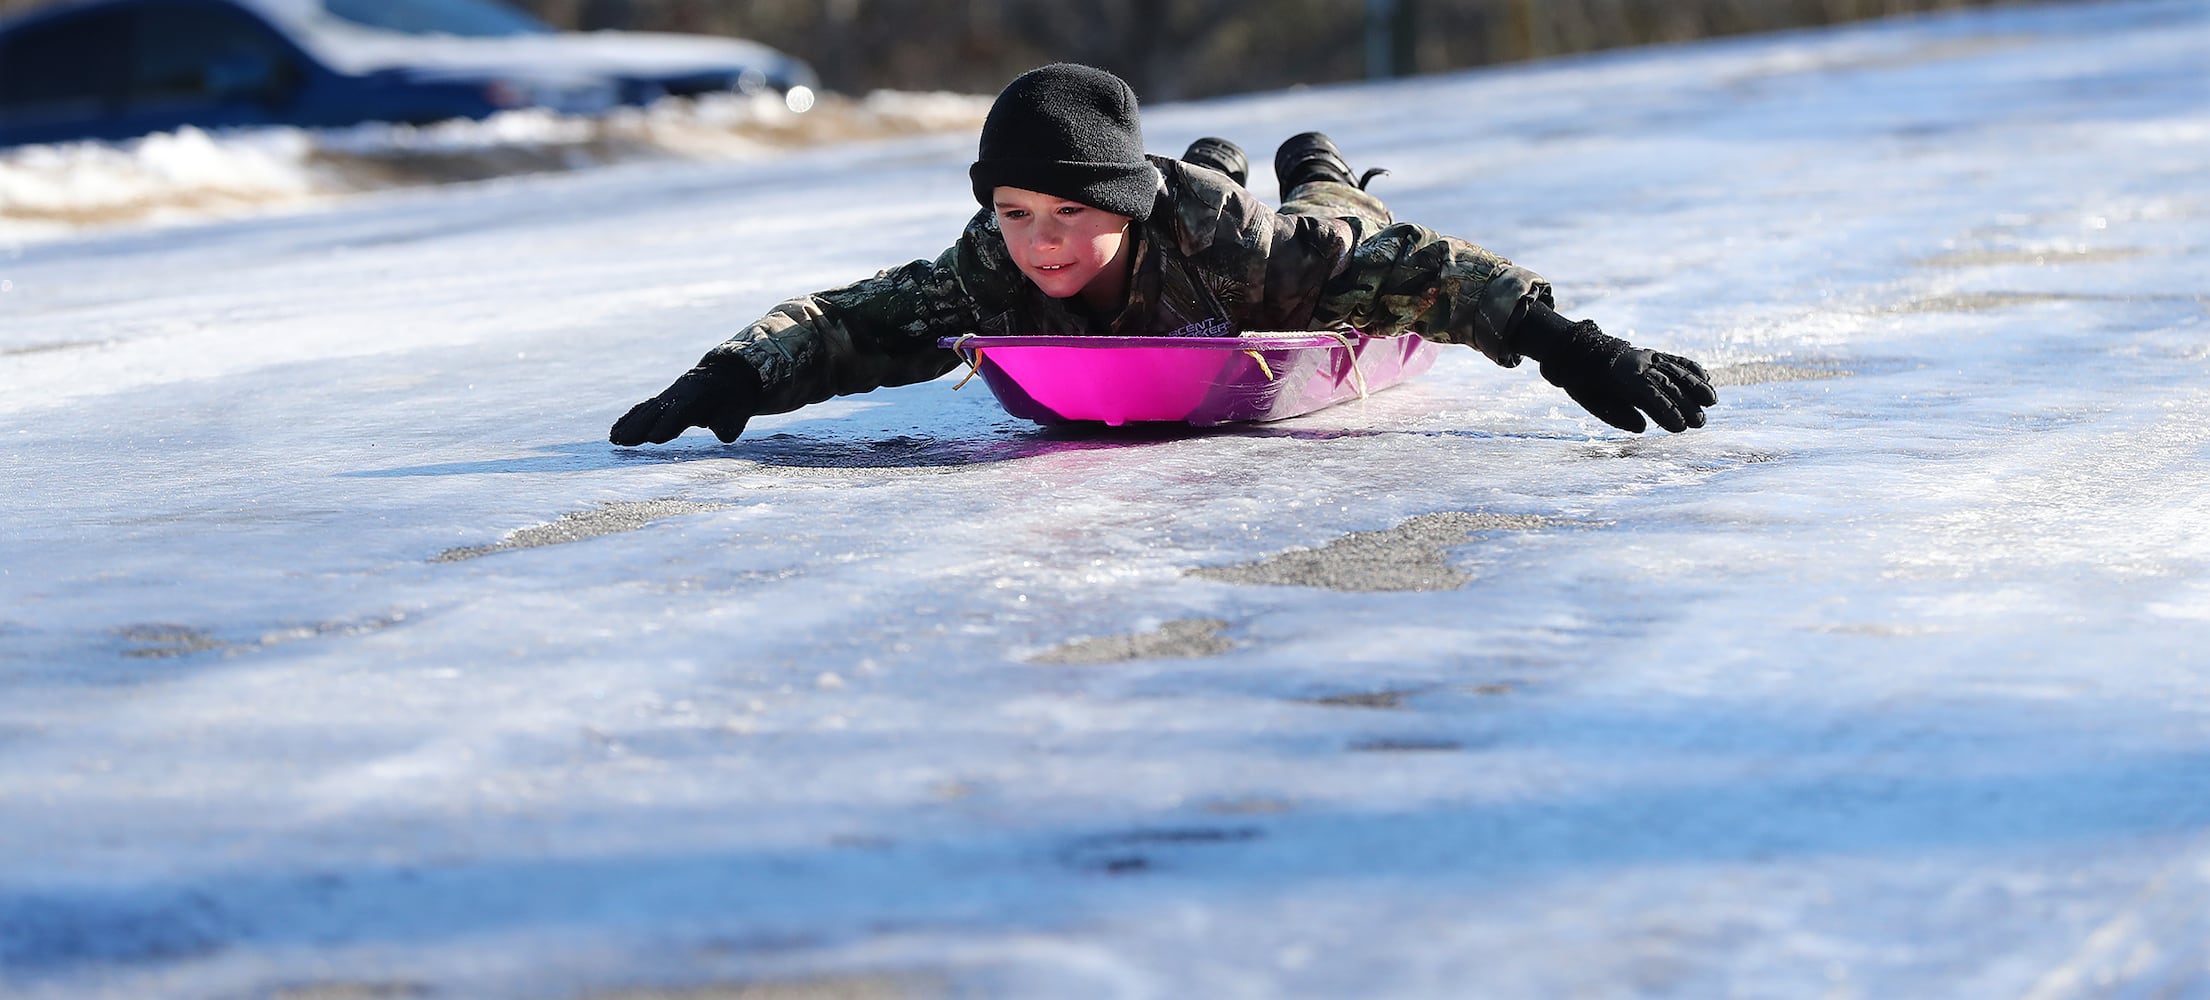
(1175, 49)
(115, 111)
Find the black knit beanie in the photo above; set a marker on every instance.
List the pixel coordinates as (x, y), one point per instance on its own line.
(1070, 132)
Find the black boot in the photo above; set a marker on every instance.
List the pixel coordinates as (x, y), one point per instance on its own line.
(1221, 155)
(1311, 156)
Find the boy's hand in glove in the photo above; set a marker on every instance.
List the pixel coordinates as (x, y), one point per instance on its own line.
(721, 395)
(1615, 380)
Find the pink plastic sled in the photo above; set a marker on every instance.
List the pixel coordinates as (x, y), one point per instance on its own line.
(1195, 380)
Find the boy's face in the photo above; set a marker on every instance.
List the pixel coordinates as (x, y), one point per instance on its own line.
(1065, 247)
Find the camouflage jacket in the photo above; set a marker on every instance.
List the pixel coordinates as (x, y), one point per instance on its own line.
(1211, 260)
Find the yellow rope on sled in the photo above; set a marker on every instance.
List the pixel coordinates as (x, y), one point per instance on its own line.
(974, 361)
(1358, 375)
(973, 358)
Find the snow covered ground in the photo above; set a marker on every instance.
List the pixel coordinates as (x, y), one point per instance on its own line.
(340, 657)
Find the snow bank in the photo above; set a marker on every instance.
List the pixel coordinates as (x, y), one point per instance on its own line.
(55, 189)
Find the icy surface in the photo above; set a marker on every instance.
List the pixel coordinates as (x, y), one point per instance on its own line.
(340, 656)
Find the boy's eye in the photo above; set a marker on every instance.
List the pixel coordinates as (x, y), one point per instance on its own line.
(1014, 213)
(1070, 210)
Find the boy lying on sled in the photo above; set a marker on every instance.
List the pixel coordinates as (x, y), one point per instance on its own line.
(1082, 233)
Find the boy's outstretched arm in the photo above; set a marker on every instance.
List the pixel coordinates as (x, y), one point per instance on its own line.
(877, 332)
(1410, 279)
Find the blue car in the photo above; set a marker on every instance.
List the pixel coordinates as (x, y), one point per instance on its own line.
(114, 69)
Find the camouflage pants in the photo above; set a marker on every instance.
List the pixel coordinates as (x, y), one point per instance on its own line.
(1336, 200)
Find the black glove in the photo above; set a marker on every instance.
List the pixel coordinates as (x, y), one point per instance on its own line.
(721, 394)
(1611, 378)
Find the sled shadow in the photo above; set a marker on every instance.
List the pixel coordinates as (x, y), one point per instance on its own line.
(900, 451)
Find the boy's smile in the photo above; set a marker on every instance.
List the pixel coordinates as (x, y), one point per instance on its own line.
(1065, 247)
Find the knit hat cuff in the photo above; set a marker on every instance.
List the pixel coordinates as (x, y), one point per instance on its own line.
(1128, 189)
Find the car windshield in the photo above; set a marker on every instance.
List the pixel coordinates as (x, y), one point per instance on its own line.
(472, 18)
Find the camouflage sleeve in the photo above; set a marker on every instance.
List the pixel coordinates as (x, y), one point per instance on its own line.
(1410, 279)
(881, 331)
